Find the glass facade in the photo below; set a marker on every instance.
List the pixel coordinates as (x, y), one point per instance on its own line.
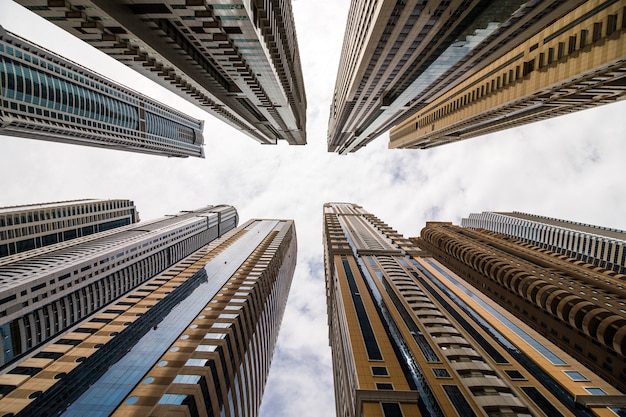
(172, 344)
(116, 383)
(47, 97)
(76, 279)
(31, 86)
(373, 352)
(542, 349)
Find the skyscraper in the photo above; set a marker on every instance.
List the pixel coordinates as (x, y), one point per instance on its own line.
(46, 291)
(424, 65)
(594, 245)
(409, 337)
(35, 225)
(236, 59)
(579, 307)
(196, 339)
(45, 96)
(575, 63)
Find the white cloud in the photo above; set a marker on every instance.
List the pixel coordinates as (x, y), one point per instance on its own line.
(570, 167)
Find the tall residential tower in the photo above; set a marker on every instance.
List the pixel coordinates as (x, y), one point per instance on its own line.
(35, 225)
(236, 59)
(46, 291)
(575, 63)
(194, 340)
(45, 96)
(591, 244)
(578, 306)
(409, 337)
(426, 66)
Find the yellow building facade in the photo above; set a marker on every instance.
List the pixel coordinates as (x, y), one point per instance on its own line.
(409, 337)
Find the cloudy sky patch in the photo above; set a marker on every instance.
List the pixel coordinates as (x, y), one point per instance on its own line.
(571, 167)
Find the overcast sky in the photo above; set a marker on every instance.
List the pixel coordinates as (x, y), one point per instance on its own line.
(571, 167)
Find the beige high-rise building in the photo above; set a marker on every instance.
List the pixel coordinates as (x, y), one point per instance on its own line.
(577, 62)
(409, 337)
(47, 291)
(428, 67)
(238, 60)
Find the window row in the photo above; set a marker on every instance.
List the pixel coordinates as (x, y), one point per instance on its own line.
(30, 85)
(593, 32)
(157, 125)
(51, 67)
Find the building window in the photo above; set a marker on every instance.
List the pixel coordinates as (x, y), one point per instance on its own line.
(132, 400)
(196, 362)
(441, 373)
(597, 31)
(542, 402)
(380, 371)
(595, 391)
(458, 400)
(187, 379)
(514, 375)
(371, 345)
(391, 410)
(576, 376)
(384, 386)
(611, 24)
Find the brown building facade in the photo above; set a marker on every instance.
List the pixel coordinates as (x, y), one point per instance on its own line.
(579, 307)
(401, 58)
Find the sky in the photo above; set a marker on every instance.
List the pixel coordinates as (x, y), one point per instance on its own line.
(570, 167)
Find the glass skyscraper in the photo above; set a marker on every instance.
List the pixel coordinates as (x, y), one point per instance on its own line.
(196, 339)
(238, 60)
(436, 72)
(46, 291)
(45, 96)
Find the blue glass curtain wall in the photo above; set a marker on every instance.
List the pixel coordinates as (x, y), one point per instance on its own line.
(46, 97)
(32, 86)
(160, 126)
